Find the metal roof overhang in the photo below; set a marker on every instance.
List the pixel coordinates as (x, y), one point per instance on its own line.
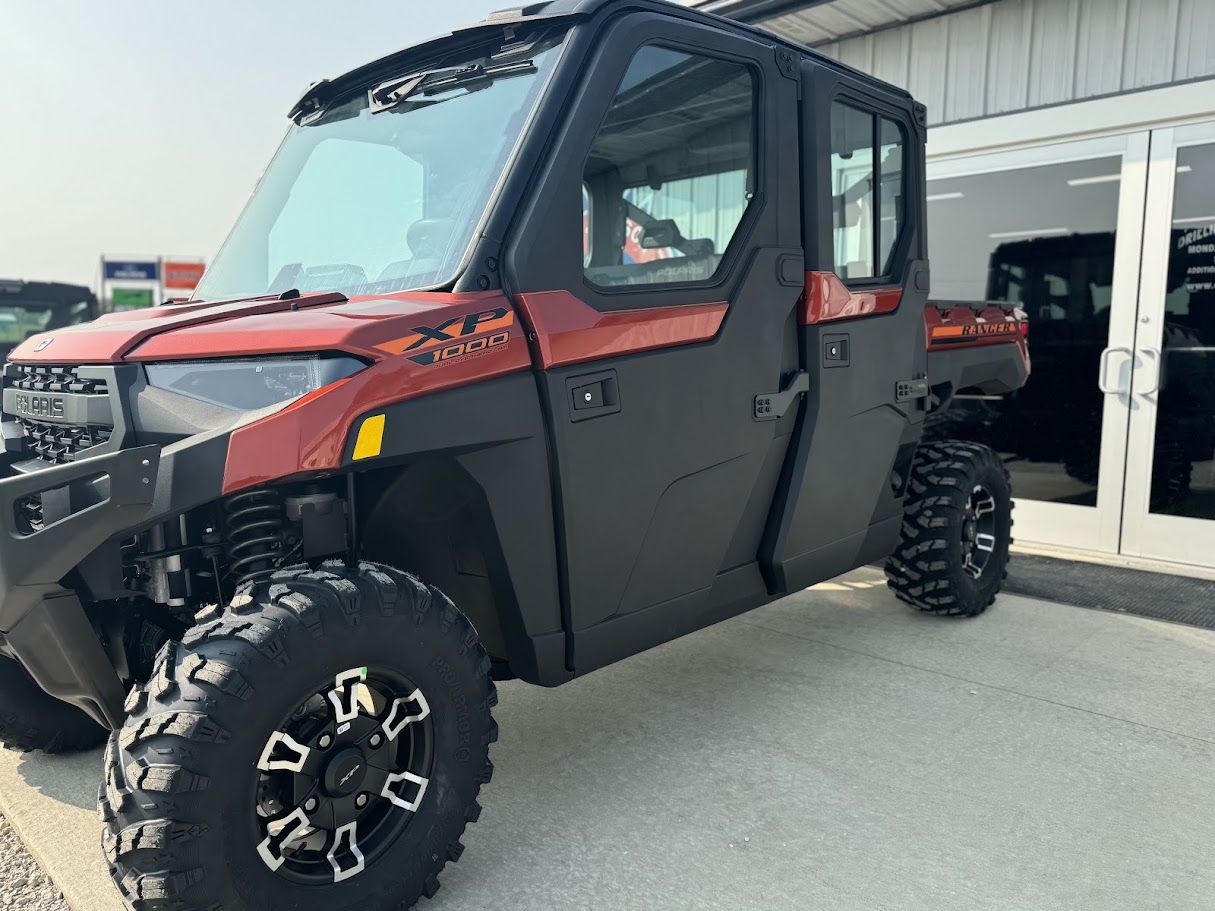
(815, 22)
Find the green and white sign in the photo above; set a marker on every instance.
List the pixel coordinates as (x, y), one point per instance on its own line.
(131, 298)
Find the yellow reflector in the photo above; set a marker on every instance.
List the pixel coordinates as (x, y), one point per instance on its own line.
(371, 438)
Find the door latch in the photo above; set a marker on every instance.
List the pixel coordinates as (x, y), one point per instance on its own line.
(773, 405)
(910, 390)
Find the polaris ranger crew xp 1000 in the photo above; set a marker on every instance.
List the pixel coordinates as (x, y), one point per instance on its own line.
(537, 345)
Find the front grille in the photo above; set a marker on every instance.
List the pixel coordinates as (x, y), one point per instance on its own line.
(29, 514)
(54, 379)
(55, 441)
(60, 443)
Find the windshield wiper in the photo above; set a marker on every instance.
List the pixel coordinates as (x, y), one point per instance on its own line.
(436, 82)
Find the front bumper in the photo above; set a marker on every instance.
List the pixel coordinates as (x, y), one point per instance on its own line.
(43, 623)
(86, 506)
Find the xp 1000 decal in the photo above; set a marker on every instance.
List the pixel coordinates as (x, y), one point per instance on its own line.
(460, 336)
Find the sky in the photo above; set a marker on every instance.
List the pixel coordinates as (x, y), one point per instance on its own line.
(139, 127)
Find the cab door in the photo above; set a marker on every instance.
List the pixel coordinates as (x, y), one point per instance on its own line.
(658, 267)
(861, 326)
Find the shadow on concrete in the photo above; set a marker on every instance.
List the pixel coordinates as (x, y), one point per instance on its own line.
(69, 779)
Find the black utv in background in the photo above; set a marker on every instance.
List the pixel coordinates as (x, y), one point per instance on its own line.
(28, 308)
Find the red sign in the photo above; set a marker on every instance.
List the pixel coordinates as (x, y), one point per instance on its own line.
(182, 275)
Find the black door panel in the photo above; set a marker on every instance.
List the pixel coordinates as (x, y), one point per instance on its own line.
(842, 491)
(653, 496)
(664, 488)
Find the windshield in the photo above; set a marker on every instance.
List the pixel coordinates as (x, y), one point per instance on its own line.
(19, 321)
(367, 201)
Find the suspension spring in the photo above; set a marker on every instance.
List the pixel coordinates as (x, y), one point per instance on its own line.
(254, 539)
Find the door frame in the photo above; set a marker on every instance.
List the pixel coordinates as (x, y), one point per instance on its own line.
(1116, 535)
(1097, 527)
(1147, 534)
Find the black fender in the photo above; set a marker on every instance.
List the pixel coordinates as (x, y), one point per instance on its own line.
(461, 494)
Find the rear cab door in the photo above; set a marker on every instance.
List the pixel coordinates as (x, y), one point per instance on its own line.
(658, 266)
(861, 327)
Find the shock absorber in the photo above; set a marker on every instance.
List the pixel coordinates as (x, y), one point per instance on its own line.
(254, 533)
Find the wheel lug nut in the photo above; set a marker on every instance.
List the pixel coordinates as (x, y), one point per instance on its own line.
(361, 801)
(310, 805)
(324, 742)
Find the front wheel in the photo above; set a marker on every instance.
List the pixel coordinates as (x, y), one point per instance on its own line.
(320, 744)
(952, 555)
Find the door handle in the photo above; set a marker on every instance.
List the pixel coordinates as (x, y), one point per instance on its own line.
(1103, 369)
(1154, 354)
(592, 395)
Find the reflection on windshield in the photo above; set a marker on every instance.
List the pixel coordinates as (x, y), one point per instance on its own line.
(369, 203)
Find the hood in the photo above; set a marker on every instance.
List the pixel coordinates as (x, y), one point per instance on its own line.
(253, 327)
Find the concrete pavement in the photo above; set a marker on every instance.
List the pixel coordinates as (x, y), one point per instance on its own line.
(834, 750)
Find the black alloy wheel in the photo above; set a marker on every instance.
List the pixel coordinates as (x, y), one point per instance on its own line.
(320, 743)
(952, 555)
(343, 776)
(978, 531)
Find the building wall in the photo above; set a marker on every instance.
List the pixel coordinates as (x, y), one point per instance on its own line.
(1017, 54)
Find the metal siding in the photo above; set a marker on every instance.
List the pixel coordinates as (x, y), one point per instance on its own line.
(892, 55)
(1015, 54)
(1196, 44)
(929, 62)
(1052, 63)
(857, 53)
(1008, 56)
(1151, 44)
(1099, 47)
(967, 70)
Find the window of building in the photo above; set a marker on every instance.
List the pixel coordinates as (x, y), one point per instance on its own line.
(867, 204)
(672, 171)
(1041, 236)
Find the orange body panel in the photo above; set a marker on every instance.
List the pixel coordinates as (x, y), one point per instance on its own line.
(827, 299)
(567, 331)
(310, 434)
(965, 327)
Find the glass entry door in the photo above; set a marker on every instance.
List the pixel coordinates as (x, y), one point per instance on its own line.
(1170, 468)
(1057, 229)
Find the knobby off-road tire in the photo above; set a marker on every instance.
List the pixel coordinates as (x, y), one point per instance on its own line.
(958, 503)
(181, 791)
(32, 719)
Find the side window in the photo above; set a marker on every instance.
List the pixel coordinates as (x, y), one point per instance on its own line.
(868, 208)
(672, 171)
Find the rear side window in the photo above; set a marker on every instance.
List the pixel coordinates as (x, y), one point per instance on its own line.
(867, 201)
(672, 171)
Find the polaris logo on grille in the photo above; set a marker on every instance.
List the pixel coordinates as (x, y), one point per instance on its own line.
(31, 405)
(44, 344)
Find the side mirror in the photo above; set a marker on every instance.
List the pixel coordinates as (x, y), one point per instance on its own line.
(658, 235)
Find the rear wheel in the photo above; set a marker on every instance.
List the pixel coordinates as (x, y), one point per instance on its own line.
(32, 719)
(320, 744)
(953, 552)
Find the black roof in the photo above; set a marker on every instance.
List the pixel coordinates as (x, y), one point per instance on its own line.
(16, 290)
(554, 11)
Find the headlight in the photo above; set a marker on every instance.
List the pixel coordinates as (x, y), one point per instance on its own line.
(247, 385)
